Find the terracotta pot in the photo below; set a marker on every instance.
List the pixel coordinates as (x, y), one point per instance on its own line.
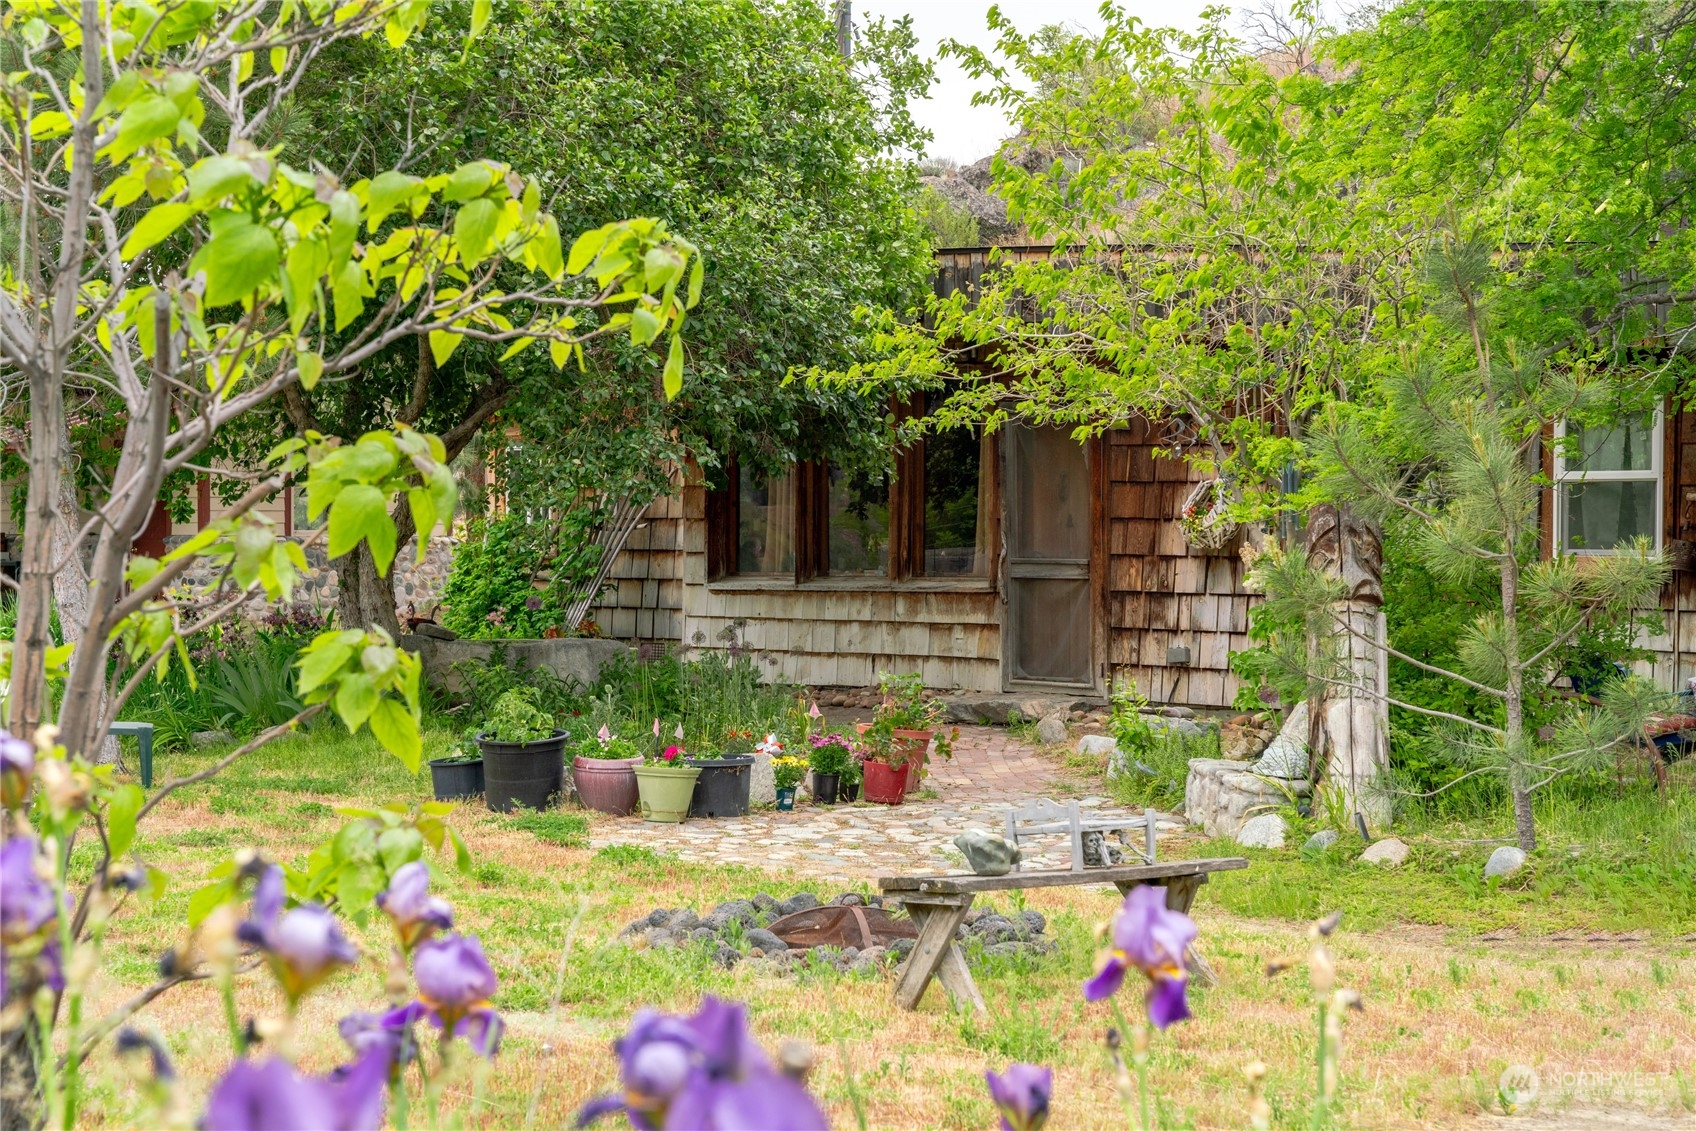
(916, 745)
(886, 785)
(607, 785)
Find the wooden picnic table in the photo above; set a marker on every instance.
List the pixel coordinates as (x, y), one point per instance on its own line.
(938, 905)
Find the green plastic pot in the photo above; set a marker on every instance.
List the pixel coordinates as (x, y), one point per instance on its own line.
(664, 792)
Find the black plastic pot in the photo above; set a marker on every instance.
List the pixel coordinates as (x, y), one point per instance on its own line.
(453, 780)
(528, 774)
(850, 791)
(722, 788)
(824, 788)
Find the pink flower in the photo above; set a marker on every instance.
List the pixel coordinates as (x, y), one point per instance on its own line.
(671, 753)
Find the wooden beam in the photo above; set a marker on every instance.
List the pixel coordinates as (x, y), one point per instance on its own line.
(1131, 874)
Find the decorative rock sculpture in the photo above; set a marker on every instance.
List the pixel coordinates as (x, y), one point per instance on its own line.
(987, 853)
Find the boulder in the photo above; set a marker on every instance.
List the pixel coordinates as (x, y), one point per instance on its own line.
(1505, 861)
(727, 955)
(1264, 831)
(1320, 840)
(1285, 756)
(1051, 731)
(1034, 921)
(847, 899)
(1244, 737)
(1164, 725)
(762, 785)
(987, 853)
(702, 934)
(659, 939)
(1390, 851)
(1220, 794)
(683, 921)
(1098, 744)
(901, 948)
(738, 909)
(766, 904)
(796, 903)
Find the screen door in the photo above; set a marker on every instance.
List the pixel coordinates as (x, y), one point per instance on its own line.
(1048, 542)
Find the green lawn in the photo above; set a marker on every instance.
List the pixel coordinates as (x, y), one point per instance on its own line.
(1447, 1009)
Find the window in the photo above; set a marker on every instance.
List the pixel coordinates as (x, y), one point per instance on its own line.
(765, 523)
(1608, 486)
(859, 524)
(956, 527)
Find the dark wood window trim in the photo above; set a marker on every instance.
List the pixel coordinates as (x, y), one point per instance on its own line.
(907, 499)
(723, 519)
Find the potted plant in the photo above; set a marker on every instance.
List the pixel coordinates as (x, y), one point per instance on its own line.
(523, 753)
(604, 773)
(787, 772)
(852, 775)
(459, 772)
(665, 785)
(884, 768)
(910, 721)
(829, 759)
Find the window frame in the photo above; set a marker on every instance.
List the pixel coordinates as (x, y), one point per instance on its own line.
(1656, 473)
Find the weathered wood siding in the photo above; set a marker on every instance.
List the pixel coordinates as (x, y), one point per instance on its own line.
(840, 632)
(1158, 594)
(645, 602)
(1675, 649)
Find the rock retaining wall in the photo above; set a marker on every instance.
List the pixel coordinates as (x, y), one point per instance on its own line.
(1221, 794)
(571, 658)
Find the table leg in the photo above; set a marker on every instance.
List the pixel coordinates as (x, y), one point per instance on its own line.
(145, 741)
(957, 980)
(937, 923)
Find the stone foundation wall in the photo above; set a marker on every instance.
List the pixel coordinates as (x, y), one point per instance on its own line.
(1221, 794)
(418, 585)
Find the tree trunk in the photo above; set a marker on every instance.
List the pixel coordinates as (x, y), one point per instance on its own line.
(1352, 728)
(363, 598)
(70, 589)
(1524, 822)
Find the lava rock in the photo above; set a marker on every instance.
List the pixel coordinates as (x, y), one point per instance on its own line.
(659, 938)
(1505, 861)
(1034, 921)
(1388, 851)
(766, 904)
(764, 940)
(1264, 831)
(799, 902)
(739, 910)
(683, 921)
(727, 956)
(850, 952)
(848, 899)
(702, 934)
(901, 948)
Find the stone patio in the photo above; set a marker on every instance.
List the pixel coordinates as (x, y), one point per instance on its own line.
(991, 770)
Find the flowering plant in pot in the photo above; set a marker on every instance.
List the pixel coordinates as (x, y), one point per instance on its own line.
(523, 753)
(829, 761)
(604, 772)
(665, 781)
(787, 772)
(910, 722)
(883, 767)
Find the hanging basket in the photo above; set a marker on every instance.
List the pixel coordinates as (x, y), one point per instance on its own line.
(1205, 519)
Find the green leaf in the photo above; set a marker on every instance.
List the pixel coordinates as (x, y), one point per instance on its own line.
(344, 225)
(357, 884)
(585, 248)
(159, 222)
(423, 516)
(443, 343)
(516, 348)
(311, 367)
(644, 327)
(461, 854)
(560, 352)
(696, 273)
(148, 117)
(202, 901)
(302, 269)
(397, 730)
(216, 177)
(359, 510)
(469, 180)
(474, 228)
(318, 664)
(121, 810)
(399, 847)
(348, 289)
(388, 191)
(674, 368)
(355, 699)
(480, 12)
(239, 258)
(545, 246)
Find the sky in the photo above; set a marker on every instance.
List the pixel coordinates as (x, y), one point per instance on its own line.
(966, 132)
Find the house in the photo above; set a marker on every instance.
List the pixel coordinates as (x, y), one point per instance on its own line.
(1024, 561)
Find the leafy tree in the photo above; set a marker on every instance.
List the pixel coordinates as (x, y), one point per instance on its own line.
(738, 123)
(170, 267)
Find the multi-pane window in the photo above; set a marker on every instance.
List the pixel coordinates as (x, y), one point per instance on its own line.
(956, 526)
(765, 523)
(859, 524)
(1608, 486)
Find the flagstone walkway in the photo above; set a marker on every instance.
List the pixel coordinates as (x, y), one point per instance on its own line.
(990, 771)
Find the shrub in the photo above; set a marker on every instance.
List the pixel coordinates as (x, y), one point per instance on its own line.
(518, 717)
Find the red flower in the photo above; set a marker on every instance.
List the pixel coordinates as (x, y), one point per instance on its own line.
(671, 753)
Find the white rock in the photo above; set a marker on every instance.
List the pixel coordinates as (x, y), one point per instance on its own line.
(762, 786)
(1505, 861)
(1097, 744)
(1264, 831)
(1286, 755)
(1387, 851)
(1162, 725)
(1322, 839)
(1051, 731)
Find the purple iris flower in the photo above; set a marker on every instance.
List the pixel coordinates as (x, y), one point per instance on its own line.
(1149, 937)
(1021, 1095)
(455, 983)
(704, 1072)
(303, 946)
(388, 1033)
(272, 1096)
(27, 902)
(17, 763)
(416, 913)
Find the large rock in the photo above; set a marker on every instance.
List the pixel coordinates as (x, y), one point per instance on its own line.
(1219, 794)
(739, 910)
(1176, 724)
(987, 853)
(1244, 737)
(764, 940)
(1388, 851)
(1320, 840)
(1505, 861)
(1264, 831)
(1051, 731)
(1286, 755)
(1098, 744)
(578, 658)
(762, 785)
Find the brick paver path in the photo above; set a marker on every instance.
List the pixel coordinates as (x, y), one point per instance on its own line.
(990, 771)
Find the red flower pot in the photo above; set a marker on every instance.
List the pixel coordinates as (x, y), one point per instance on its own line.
(916, 745)
(886, 785)
(607, 785)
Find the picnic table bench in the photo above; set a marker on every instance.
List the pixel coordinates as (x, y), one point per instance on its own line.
(938, 905)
